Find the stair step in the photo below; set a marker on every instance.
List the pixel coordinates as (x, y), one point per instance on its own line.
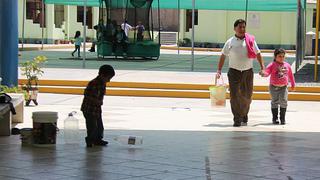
(172, 93)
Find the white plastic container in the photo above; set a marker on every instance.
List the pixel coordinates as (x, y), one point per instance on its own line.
(26, 136)
(129, 140)
(71, 129)
(44, 127)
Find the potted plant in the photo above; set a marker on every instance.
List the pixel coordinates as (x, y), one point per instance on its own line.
(32, 71)
(6, 89)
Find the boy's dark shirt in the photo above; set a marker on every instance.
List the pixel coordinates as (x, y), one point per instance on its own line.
(93, 97)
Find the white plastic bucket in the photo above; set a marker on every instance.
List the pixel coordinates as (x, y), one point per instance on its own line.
(44, 127)
(218, 93)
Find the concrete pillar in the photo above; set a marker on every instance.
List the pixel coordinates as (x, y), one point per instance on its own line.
(95, 19)
(67, 19)
(183, 20)
(73, 25)
(50, 26)
(9, 42)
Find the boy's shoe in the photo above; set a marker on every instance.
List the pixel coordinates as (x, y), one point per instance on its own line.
(237, 124)
(283, 115)
(275, 112)
(101, 143)
(72, 54)
(89, 144)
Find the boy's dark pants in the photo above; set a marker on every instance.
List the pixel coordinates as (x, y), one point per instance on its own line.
(241, 89)
(94, 127)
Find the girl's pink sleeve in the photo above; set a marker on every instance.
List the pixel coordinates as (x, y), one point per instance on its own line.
(268, 70)
(291, 77)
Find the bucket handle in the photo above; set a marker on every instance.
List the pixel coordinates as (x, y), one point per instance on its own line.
(216, 81)
(57, 129)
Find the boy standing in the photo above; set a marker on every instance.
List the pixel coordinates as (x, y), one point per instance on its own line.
(91, 106)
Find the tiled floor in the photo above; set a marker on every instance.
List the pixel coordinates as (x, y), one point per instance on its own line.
(170, 155)
(183, 139)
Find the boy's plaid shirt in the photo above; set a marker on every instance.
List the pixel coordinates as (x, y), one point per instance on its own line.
(93, 97)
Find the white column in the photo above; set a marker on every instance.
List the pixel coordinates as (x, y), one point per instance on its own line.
(192, 37)
(182, 24)
(67, 20)
(50, 22)
(95, 19)
(84, 33)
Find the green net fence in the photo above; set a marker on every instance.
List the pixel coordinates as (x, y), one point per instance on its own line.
(232, 5)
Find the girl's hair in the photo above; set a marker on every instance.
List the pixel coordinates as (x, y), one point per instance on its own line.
(77, 34)
(277, 52)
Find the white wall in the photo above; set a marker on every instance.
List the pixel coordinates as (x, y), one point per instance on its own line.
(217, 26)
(70, 25)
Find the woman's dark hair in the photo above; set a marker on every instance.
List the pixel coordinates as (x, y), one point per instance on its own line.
(277, 52)
(106, 70)
(239, 21)
(77, 34)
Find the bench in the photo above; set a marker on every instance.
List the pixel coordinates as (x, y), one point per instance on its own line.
(6, 117)
(18, 103)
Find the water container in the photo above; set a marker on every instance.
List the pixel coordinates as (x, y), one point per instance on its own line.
(71, 129)
(218, 93)
(26, 136)
(129, 140)
(44, 128)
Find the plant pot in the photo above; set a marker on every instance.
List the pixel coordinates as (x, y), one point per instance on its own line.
(31, 95)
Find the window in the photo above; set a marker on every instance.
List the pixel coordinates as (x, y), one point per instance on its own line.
(34, 11)
(89, 16)
(189, 19)
(58, 15)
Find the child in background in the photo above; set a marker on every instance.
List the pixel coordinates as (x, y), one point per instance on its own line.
(140, 29)
(281, 74)
(77, 43)
(120, 41)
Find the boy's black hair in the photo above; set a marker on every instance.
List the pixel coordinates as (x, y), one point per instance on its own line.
(77, 34)
(239, 21)
(106, 70)
(277, 52)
